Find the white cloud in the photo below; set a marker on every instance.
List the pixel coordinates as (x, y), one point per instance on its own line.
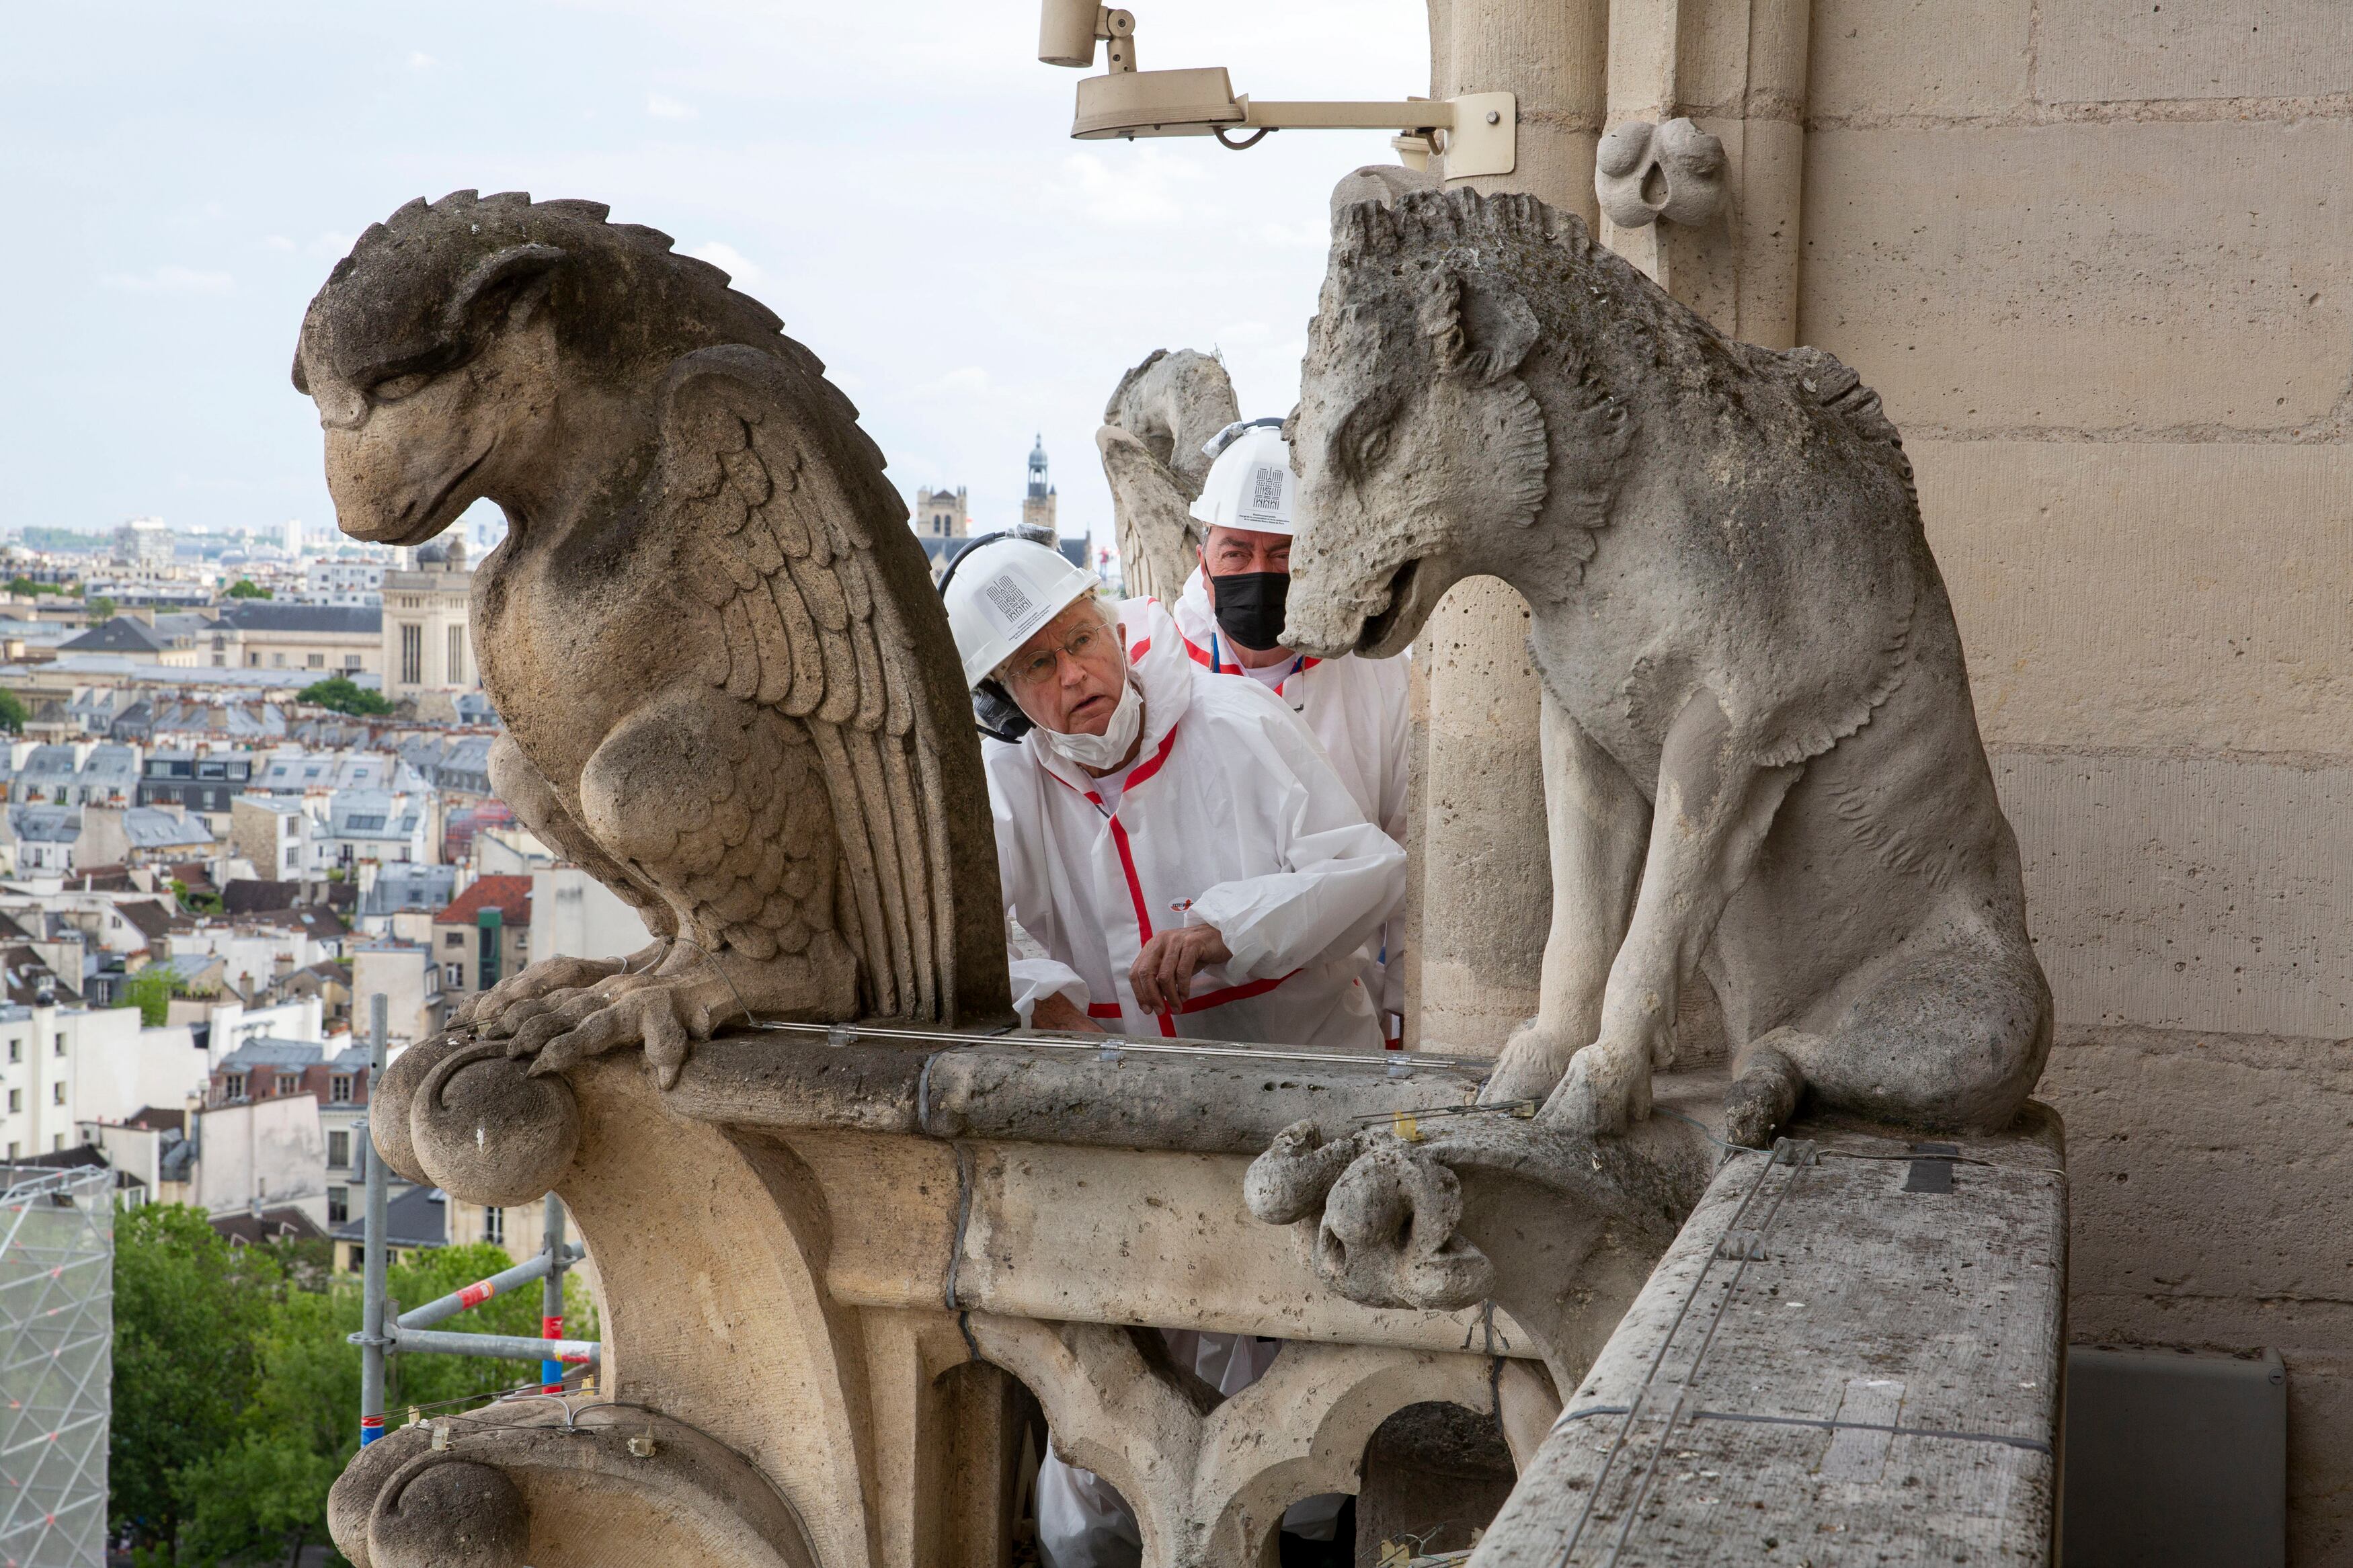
(279, 242)
(965, 380)
(741, 269)
(419, 60)
(170, 280)
(1138, 192)
(663, 107)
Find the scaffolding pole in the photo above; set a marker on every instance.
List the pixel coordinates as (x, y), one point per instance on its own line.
(381, 1332)
(551, 1296)
(481, 1290)
(372, 1278)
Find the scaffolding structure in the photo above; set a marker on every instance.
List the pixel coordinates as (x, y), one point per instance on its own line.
(57, 1366)
(382, 1334)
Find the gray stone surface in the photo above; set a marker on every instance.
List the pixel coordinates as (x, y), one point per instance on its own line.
(1159, 416)
(1758, 699)
(1848, 1356)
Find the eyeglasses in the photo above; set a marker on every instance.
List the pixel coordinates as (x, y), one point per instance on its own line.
(1038, 667)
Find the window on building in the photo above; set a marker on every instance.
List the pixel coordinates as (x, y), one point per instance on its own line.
(339, 1089)
(494, 1225)
(458, 654)
(351, 661)
(252, 660)
(58, 1048)
(58, 1142)
(453, 938)
(232, 1086)
(453, 976)
(412, 652)
(358, 1260)
(58, 1092)
(14, 1148)
(339, 1203)
(16, 1050)
(339, 1149)
(278, 660)
(287, 1083)
(16, 1103)
(316, 661)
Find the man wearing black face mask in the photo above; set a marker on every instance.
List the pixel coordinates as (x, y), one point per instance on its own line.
(1231, 615)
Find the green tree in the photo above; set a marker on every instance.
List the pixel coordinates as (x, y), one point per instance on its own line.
(150, 991)
(262, 1495)
(13, 712)
(344, 696)
(27, 587)
(244, 588)
(188, 1311)
(101, 608)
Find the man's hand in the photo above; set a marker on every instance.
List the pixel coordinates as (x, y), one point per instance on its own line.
(1163, 975)
(1059, 1012)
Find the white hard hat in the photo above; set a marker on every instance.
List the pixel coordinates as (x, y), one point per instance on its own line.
(1250, 485)
(1000, 590)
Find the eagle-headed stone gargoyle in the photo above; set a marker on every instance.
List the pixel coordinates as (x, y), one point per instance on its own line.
(731, 695)
(1762, 766)
(729, 692)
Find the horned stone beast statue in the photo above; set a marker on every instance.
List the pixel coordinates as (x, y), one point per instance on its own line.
(1159, 416)
(1761, 759)
(727, 689)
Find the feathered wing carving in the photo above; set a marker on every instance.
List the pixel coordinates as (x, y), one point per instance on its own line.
(773, 536)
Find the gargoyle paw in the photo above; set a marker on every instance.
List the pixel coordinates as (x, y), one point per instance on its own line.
(1605, 1089)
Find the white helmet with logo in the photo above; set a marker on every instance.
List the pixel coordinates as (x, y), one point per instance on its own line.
(1250, 485)
(1000, 590)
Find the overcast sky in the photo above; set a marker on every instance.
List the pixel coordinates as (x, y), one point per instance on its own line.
(178, 179)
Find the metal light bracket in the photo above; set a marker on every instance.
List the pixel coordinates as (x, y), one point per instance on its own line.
(1476, 134)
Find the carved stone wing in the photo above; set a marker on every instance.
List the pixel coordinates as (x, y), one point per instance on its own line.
(776, 497)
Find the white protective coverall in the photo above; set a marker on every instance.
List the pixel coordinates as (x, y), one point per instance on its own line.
(1357, 709)
(1231, 818)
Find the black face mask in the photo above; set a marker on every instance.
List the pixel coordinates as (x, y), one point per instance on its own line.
(1250, 608)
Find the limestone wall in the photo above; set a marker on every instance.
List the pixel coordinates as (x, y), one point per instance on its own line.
(2097, 256)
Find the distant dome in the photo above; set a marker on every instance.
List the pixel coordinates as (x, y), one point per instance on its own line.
(435, 552)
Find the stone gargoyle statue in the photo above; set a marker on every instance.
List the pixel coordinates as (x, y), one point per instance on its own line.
(727, 690)
(1159, 417)
(1761, 761)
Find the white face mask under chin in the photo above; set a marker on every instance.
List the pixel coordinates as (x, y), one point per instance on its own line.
(1103, 750)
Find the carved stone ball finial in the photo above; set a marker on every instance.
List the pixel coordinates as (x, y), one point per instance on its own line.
(449, 1515)
(486, 1129)
(1644, 173)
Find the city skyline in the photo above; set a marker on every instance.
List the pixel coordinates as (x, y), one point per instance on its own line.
(940, 244)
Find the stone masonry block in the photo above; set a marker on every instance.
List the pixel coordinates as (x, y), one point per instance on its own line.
(2188, 892)
(2101, 605)
(1918, 57)
(2109, 51)
(2113, 277)
(2211, 1179)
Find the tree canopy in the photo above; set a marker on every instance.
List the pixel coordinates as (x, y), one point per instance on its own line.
(13, 712)
(245, 588)
(344, 696)
(236, 1396)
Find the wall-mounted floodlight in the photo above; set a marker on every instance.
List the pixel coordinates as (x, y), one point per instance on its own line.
(1477, 132)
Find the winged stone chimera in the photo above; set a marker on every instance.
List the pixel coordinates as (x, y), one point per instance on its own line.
(1762, 764)
(695, 630)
